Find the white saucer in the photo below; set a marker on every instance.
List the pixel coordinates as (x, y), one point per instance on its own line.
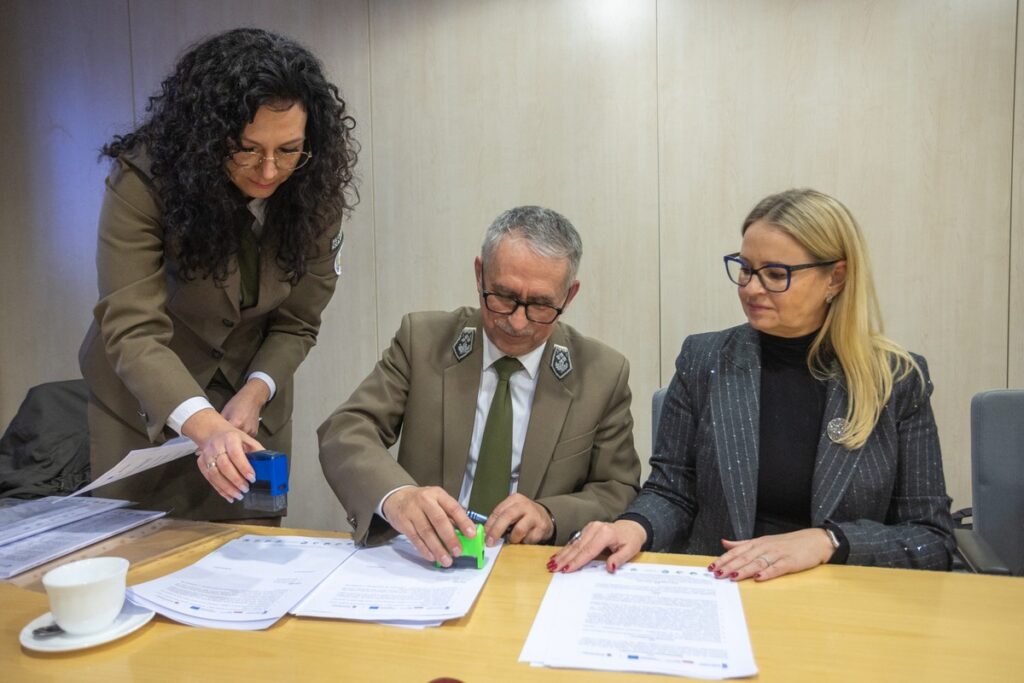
(130, 619)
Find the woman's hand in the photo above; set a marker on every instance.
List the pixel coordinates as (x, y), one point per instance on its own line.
(768, 557)
(222, 449)
(243, 410)
(624, 538)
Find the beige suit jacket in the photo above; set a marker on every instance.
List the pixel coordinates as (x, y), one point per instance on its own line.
(578, 457)
(156, 341)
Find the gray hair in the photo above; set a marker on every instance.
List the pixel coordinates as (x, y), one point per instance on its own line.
(547, 232)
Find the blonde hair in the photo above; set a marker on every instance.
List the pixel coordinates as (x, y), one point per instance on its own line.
(869, 361)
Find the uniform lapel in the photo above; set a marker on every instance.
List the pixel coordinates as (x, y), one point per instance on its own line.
(735, 399)
(461, 384)
(835, 464)
(551, 404)
(232, 289)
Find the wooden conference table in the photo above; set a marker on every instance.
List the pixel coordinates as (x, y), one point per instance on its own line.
(829, 624)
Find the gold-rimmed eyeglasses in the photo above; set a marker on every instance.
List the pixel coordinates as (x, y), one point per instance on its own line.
(283, 161)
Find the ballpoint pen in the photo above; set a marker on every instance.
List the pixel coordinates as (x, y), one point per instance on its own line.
(476, 517)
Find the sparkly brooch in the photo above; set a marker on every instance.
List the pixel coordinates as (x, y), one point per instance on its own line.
(836, 429)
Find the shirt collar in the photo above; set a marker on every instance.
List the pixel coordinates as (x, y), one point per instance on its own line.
(530, 361)
(257, 207)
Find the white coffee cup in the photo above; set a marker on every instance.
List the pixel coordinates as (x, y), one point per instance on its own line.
(86, 596)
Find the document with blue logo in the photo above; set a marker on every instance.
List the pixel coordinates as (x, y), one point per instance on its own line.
(644, 618)
(246, 584)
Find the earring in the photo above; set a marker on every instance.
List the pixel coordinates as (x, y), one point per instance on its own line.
(829, 297)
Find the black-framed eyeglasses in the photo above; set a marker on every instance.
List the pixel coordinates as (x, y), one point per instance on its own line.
(501, 304)
(774, 277)
(283, 161)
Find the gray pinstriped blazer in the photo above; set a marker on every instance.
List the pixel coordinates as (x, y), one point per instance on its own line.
(888, 497)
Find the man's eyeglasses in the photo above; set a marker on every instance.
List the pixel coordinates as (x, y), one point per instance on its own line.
(774, 277)
(283, 161)
(536, 313)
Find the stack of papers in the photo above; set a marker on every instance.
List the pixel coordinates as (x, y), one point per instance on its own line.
(35, 532)
(251, 582)
(645, 618)
(392, 584)
(247, 584)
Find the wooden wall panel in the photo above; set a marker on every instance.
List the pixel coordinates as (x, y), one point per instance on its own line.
(66, 84)
(903, 110)
(337, 32)
(653, 126)
(482, 106)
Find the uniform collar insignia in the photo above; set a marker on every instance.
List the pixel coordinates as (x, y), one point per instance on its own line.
(463, 346)
(561, 362)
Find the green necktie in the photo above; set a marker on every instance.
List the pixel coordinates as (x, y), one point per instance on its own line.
(494, 462)
(248, 267)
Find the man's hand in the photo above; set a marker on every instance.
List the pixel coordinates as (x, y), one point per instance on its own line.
(524, 520)
(428, 516)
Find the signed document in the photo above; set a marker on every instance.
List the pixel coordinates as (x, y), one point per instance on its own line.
(645, 618)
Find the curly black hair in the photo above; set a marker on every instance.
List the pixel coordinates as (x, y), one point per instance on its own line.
(195, 122)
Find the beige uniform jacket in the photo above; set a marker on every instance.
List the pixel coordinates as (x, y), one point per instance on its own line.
(156, 341)
(578, 456)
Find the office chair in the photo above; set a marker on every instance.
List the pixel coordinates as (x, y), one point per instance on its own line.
(995, 545)
(45, 449)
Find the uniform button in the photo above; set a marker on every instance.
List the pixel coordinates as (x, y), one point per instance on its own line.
(228, 323)
(216, 353)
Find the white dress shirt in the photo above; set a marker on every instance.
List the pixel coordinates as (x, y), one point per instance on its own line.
(523, 385)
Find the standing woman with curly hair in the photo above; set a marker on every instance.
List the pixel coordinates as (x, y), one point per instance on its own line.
(219, 247)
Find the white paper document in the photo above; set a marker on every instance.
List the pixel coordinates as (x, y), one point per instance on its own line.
(393, 584)
(645, 618)
(27, 553)
(142, 459)
(246, 584)
(36, 516)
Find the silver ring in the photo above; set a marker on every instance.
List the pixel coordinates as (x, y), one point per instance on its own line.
(211, 464)
(767, 562)
(575, 537)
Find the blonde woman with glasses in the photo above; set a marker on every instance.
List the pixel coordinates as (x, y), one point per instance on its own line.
(802, 437)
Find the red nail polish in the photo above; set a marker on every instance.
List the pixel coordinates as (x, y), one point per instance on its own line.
(711, 567)
(758, 575)
(734, 575)
(614, 567)
(718, 572)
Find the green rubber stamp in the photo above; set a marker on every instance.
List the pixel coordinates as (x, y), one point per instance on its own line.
(472, 550)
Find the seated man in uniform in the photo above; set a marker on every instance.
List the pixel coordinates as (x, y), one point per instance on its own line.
(502, 410)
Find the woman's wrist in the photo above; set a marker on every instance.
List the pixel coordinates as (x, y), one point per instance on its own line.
(204, 424)
(257, 389)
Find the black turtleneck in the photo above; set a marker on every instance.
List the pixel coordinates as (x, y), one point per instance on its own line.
(792, 406)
